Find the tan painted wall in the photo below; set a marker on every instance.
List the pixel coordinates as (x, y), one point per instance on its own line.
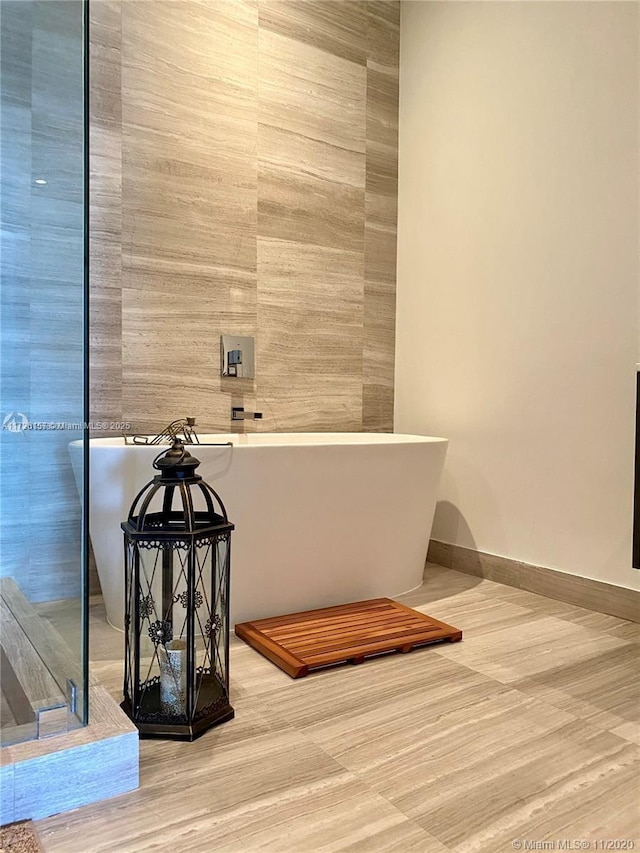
(244, 179)
(518, 273)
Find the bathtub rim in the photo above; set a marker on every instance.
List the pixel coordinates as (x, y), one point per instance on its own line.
(283, 439)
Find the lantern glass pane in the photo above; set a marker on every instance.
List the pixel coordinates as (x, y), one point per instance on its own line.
(176, 651)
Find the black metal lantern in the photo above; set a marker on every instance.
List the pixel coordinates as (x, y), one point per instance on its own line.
(177, 563)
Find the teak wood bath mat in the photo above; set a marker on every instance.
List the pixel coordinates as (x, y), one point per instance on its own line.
(300, 642)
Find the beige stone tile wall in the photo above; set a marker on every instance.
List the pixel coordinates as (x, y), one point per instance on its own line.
(244, 181)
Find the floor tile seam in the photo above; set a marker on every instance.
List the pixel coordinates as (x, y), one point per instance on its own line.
(487, 683)
(265, 801)
(533, 615)
(357, 776)
(508, 677)
(579, 610)
(541, 681)
(504, 690)
(632, 740)
(607, 757)
(579, 718)
(484, 632)
(526, 701)
(361, 776)
(527, 807)
(427, 649)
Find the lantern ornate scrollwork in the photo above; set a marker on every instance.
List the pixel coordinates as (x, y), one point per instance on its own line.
(177, 563)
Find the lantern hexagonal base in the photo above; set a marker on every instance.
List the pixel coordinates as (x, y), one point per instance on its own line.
(179, 731)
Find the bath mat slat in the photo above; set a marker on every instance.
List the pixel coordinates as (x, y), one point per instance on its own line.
(344, 627)
(300, 642)
(366, 639)
(382, 605)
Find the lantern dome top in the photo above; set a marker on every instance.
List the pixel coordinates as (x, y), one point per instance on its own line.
(153, 513)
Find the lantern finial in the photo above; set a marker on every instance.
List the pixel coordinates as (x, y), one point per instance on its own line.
(177, 464)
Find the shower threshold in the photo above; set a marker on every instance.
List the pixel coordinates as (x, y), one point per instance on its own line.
(32, 703)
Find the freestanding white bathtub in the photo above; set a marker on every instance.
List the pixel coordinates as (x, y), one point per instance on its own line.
(321, 518)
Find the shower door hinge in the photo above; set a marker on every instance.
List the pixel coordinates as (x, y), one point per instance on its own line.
(72, 695)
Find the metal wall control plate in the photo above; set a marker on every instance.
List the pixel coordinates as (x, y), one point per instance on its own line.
(237, 357)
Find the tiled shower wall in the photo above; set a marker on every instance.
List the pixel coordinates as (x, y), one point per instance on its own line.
(244, 181)
(41, 297)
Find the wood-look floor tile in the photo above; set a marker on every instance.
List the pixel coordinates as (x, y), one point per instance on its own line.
(394, 750)
(250, 797)
(440, 581)
(113, 826)
(598, 801)
(602, 622)
(628, 731)
(471, 611)
(434, 761)
(393, 682)
(340, 818)
(254, 674)
(404, 753)
(535, 647)
(291, 776)
(604, 690)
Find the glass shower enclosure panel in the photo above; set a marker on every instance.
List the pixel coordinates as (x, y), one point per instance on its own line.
(43, 368)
